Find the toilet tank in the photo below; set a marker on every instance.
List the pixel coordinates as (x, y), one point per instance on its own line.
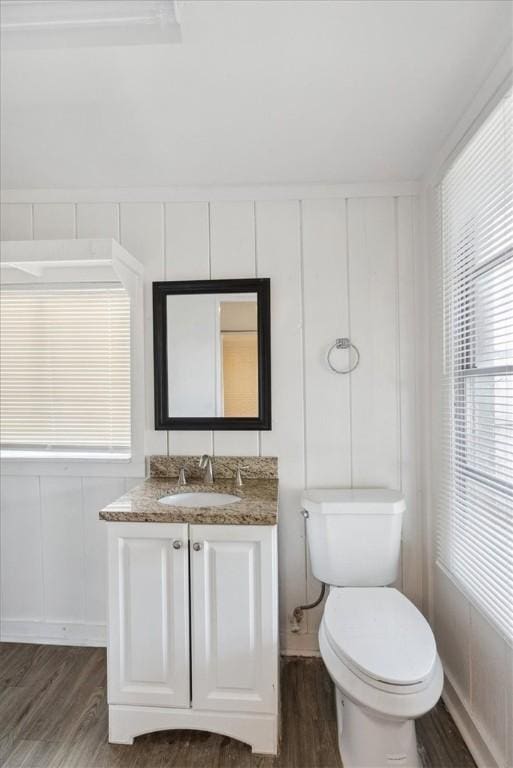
(354, 535)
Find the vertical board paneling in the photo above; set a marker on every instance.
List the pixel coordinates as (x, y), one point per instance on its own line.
(232, 255)
(407, 387)
(488, 689)
(508, 712)
(63, 548)
(232, 232)
(98, 220)
(54, 221)
(279, 257)
(328, 430)
(452, 632)
(131, 482)
(187, 241)
(21, 586)
(188, 258)
(96, 493)
(327, 396)
(374, 328)
(142, 233)
(15, 221)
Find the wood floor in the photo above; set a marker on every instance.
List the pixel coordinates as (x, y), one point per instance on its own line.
(53, 714)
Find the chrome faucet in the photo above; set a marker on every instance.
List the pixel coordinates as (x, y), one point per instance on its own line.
(206, 463)
(182, 476)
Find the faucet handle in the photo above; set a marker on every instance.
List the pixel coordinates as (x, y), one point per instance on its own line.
(238, 474)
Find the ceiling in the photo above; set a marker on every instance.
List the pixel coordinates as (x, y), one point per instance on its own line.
(257, 92)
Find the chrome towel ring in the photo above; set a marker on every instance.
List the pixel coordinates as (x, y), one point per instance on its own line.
(343, 343)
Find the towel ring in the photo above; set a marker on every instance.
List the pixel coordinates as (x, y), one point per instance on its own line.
(344, 343)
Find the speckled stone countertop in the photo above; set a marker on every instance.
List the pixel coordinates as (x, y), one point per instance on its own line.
(258, 503)
(225, 467)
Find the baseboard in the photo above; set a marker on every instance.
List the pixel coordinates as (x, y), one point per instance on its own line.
(303, 654)
(53, 633)
(473, 739)
(299, 644)
(95, 635)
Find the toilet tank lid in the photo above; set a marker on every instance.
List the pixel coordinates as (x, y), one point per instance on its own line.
(340, 501)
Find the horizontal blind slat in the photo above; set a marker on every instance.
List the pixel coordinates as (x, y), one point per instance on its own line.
(475, 302)
(65, 374)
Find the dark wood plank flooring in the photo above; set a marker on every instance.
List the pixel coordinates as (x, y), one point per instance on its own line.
(53, 714)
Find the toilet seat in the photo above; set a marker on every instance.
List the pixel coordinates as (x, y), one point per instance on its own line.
(405, 703)
(381, 637)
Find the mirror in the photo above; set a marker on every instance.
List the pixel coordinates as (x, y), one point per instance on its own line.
(212, 354)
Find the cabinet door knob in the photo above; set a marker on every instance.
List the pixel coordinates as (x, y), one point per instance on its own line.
(196, 546)
(177, 544)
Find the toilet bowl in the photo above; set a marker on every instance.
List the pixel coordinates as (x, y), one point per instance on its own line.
(381, 655)
(377, 647)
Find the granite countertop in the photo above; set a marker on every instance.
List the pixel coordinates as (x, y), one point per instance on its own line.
(258, 504)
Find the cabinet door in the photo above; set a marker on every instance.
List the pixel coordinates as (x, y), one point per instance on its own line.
(148, 654)
(234, 618)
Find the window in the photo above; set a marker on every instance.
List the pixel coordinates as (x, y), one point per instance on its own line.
(65, 369)
(475, 515)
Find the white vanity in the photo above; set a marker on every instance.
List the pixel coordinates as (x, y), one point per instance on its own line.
(193, 613)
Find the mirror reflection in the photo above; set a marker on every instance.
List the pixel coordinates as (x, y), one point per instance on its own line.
(212, 353)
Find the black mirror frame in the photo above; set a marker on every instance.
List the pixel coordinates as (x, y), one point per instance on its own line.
(262, 287)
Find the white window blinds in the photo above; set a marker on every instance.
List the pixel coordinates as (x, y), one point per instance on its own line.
(65, 368)
(475, 516)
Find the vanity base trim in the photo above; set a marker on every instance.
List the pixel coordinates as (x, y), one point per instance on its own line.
(259, 731)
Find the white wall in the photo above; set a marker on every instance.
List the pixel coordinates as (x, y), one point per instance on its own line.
(340, 265)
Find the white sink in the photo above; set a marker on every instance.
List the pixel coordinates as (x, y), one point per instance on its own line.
(198, 499)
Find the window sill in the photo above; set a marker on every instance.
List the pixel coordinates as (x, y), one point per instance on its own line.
(76, 464)
(66, 455)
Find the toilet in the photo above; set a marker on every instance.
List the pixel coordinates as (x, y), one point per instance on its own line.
(378, 648)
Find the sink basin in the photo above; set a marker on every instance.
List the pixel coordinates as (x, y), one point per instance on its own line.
(198, 499)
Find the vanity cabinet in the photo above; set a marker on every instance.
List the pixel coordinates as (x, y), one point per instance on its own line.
(193, 635)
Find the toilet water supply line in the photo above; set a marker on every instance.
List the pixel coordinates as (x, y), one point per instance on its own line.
(298, 612)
